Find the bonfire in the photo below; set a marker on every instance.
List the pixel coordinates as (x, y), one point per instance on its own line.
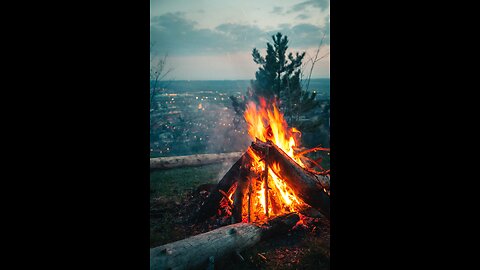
(268, 194)
(264, 193)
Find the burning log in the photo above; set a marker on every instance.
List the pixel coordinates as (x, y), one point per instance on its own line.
(195, 252)
(279, 225)
(193, 160)
(310, 187)
(211, 204)
(242, 185)
(265, 179)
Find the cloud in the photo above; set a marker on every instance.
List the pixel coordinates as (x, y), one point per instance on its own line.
(302, 16)
(277, 10)
(174, 34)
(322, 4)
(175, 20)
(305, 35)
(241, 33)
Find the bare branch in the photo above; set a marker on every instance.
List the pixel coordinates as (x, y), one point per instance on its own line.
(166, 73)
(315, 59)
(157, 72)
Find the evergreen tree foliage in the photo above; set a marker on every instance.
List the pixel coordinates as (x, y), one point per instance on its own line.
(278, 80)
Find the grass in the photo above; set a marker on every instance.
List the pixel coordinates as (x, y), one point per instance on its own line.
(170, 186)
(175, 182)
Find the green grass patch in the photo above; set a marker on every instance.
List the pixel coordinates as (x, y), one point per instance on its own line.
(178, 181)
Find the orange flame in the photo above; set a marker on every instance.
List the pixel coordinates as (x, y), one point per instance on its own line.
(267, 123)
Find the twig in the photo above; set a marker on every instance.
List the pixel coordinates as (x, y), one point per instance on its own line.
(315, 149)
(249, 198)
(226, 198)
(315, 163)
(315, 60)
(266, 183)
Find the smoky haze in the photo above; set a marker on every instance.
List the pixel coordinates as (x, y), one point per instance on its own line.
(196, 117)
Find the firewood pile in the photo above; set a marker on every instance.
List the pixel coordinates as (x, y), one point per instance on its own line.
(270, 191)
(225, 202)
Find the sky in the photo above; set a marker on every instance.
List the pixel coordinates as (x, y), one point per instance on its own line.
(213, 39)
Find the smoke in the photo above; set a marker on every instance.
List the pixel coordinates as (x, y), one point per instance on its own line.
(222, 136)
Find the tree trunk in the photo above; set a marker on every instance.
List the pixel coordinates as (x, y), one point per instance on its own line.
(311, 188)
(193, 160)
(196, 251)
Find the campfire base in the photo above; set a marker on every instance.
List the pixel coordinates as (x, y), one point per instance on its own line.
(313, 188)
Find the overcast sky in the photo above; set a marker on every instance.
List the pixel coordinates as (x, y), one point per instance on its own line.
(213, 39)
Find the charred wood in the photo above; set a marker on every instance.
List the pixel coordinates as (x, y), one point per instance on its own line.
(210, 206)
(312, 188)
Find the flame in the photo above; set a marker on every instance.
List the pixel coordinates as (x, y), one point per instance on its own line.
(230, 198)
(261, 197)
(267, 123)
(286, 192)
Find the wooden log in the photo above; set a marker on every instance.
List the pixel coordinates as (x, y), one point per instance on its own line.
(265, 176)
(210, 206)
(250, 194)
(279, 225)
(308, 186)
(196, 252)
(242, 186)
(276, 205)
(162, 163)
(311, 212)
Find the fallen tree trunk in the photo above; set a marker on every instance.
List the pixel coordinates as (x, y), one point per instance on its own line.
(211, 204)
(193, 160)
(196, 252)
(310, 187)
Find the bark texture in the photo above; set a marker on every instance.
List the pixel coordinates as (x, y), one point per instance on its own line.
(213, 201)
(310, 187)
(193, 160)
(194, 252)
(197, 251)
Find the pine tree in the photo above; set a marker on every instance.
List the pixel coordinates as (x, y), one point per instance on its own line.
(278, 80)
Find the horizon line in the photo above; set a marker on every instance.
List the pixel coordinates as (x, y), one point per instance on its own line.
(230, 79)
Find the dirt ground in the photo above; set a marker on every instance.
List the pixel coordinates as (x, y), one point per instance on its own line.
(304, 247)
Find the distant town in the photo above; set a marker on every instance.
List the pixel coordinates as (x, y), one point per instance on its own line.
(193, 117)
